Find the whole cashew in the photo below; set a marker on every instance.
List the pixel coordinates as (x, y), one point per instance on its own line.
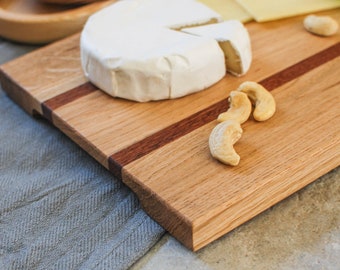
(263, 100)
(239, 108)
(321, 25)
(222, 139)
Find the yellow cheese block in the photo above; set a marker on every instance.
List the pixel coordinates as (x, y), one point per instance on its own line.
(267, 10)
(228, 9)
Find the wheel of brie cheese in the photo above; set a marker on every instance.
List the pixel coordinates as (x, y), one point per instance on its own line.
(135, 49)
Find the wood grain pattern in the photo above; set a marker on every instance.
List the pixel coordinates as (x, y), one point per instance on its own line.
(52, 104)
(160, 150)
(187, 125)
(141, 148)
(278, 157)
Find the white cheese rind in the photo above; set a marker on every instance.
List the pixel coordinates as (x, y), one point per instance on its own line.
(174, 14)
(234, 40)
(128, 50)
(170, 64)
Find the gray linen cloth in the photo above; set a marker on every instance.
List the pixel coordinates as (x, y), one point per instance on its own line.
(59, 208)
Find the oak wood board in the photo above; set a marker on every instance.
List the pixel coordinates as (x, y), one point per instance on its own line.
(160, 149)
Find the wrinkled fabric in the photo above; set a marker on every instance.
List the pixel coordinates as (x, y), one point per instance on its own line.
(59, 208)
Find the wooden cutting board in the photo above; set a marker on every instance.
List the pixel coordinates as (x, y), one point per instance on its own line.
(160, 149)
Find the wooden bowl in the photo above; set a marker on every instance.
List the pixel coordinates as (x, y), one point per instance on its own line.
(68, 2)
(31, 21)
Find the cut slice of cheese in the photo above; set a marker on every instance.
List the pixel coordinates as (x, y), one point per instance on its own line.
(234, 40)
(131, 50)
(267, 10)
(229, 10)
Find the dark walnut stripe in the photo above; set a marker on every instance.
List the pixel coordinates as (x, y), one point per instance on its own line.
(301, 67)
(120, 159)
(54, 103)
(164, 136)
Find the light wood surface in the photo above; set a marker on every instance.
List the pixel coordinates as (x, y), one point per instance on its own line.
(160, 149)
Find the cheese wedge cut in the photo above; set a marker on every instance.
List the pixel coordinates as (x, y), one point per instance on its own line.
(234, 40)
(134, 49)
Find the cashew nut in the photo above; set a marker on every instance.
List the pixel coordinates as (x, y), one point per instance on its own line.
(263, 100)
(321, 25)
(239, 108)
(222, 139)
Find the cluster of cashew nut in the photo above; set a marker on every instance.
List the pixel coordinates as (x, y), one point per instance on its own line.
(229, 131)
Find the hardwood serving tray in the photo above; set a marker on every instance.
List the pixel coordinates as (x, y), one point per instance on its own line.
(160, 149)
